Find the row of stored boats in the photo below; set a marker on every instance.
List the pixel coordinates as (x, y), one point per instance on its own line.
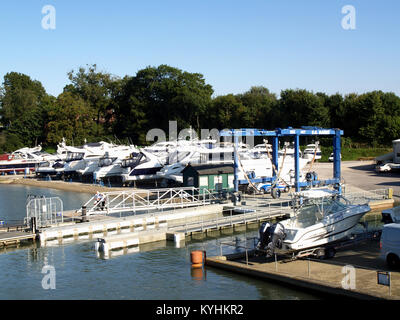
(161, 161)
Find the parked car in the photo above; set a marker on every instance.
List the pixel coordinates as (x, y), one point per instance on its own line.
(390, 244)
(331, 157)
(383, 168)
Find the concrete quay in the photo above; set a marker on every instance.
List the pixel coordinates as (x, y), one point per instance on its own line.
(131, 223)
(352, 273)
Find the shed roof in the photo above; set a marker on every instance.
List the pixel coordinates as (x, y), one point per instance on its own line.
(211, 168)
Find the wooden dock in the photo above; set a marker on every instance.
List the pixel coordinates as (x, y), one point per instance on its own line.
(15, 237)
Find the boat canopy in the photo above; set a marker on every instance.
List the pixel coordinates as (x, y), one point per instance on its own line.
(317, 193)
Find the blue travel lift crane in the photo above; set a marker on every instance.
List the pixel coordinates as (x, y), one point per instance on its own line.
(296, 134)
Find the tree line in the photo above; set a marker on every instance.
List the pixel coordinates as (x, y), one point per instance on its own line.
(96, 105)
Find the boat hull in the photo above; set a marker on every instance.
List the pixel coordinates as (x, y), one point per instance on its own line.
(331, 229)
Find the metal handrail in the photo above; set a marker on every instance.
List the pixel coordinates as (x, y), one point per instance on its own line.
(125, 201)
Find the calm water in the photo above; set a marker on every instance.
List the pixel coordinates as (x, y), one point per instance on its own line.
(158, 271)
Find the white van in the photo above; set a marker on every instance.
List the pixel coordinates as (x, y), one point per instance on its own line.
(390, 244)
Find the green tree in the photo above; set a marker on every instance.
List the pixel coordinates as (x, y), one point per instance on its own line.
(156, 96)
(97, 89)
(303, 108)
(70, 118)
(227, 112)
(370, 114)
(260, 107)
(22, 110)
(19, 94)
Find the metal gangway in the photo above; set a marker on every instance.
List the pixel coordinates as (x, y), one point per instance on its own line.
(134, 201)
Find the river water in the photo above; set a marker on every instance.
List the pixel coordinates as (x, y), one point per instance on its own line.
(159, 271)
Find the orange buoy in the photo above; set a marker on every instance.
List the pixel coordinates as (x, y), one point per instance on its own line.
(197, 273)
(197, 258)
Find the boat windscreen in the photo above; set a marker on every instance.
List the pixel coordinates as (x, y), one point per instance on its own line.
(73, 156)
(105, 162)
(131, 163)
(314, 210)
(44, 164)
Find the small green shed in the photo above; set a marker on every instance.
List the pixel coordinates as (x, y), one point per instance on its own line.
(213, 177)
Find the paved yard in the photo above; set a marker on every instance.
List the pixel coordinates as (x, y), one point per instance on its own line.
(361, 174)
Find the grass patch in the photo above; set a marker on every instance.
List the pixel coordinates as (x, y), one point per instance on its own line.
(50, 149)
(353, 154)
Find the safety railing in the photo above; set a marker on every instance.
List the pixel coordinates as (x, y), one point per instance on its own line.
(217, 221)
(367, 196)
(45, 211)
(145, 200)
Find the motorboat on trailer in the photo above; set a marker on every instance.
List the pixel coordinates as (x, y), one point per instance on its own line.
(321, 218)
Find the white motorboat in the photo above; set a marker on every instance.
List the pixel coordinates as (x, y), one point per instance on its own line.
(311, 151)
(288, 151)
(54, 163)
(254, 167)
(223, 153)
(111, 164)
(78, 158)
(262, 150)
(171, 154)
(21, 160)
(323, 217)
(143, 167)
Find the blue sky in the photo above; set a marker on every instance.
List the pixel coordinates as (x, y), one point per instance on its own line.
(234, 44)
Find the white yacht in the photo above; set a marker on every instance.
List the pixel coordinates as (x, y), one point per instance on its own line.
(143, 166)
(288, 151)
(21, 160)
(78, 158)
(111, 164)
(260, 167)
(151, 160)
(311, 150)
(323, 217)
(262, 150)
(54, 163)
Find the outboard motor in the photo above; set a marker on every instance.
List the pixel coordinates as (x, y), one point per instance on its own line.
(271, 237)
(278, 235)
(265, 236)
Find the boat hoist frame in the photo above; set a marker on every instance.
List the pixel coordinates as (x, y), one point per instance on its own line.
(296, 134)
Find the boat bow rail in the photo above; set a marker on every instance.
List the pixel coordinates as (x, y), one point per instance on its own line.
(145, 200)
